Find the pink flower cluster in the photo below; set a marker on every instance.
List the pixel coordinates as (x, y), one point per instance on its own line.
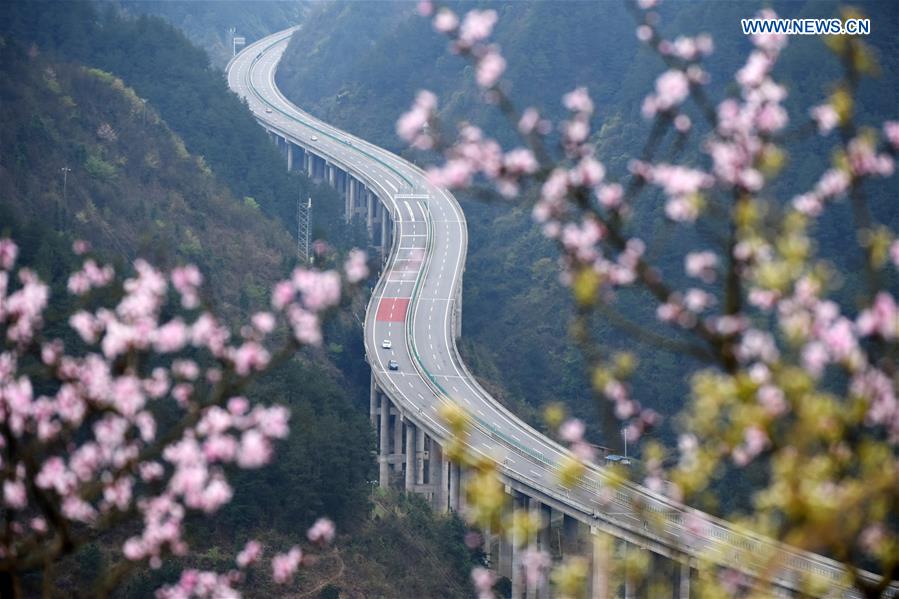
(93, 435)
(414, 126)
(474, 154)
(90, 277)
(470, 39)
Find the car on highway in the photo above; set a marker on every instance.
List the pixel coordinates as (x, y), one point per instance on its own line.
(392, 365)
(314, 138)
(347, 142)
(387, 344)
(268, 110)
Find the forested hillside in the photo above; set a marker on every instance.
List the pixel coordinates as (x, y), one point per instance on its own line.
(164, 162)
(359, 66)
(208, 24)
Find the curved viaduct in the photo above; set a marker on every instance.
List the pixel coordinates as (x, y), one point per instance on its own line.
(416, 305)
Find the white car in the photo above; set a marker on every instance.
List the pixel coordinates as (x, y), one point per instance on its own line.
(268, 110)
(315, 138)
(387, 344)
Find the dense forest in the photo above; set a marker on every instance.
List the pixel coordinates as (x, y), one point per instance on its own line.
(116, 130)
(358, 65)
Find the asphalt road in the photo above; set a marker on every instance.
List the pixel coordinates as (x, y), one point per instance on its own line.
(413, 305)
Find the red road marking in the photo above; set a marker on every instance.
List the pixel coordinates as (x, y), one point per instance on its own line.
(392, 309)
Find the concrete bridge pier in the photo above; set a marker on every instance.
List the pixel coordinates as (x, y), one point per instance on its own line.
(396, 456)
(351, 191)
(454, 478)
(373, 402)
(289, 156)
(383, 448)
(332, 175)
(385, 216)
(310, 165)
(683, 583)
(370, 217)
(420, 456)
(410, 457)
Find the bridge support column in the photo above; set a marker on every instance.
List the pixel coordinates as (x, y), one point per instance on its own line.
(410, 456)
(545, 544)
(310, 165)
(454, 473)
(289, 156)
(385, 216)
(350, 199)
(332, 175)
(541, 543)
(570, 541)
(397, 441)
(438, 477)
(420, 456)
(504, 556)
(384, 446)
(518, 502)
(373, 402)
(601, 564)
(684, 582)
(370, 217)
(434, 470)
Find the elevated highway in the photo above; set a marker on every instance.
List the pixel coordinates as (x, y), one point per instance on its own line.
(416, 307)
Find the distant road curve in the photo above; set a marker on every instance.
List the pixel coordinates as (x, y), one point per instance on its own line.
(416, 305)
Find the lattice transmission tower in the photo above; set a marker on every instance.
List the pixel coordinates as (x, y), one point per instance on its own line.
(304, 220)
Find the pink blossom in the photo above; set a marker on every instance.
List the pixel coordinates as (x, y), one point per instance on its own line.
(251, 552)
(284, 565)
(425, 8)
(672, 88)
(186, 280)
(578, 101)
(255, 450)
(769, 42)
(610, 195)
(756, 69)
(445, 21)
(535, 563)
(890, 131)
(881, 318)
(826, 118)
(697, 300)
(572, 430)
(476, 26)
(808, 204)
(320, 290)
(483, 580)
(14, 495)
(833, 183)
(701, 265)
(356, 266)
(8, 253)
(528, 121)
(412, 125)
(772, 399)
(644, 33)
(489, 69)
(250, 357)
(322, 532)
(170, 337)
(282, 294)
(305, 326)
